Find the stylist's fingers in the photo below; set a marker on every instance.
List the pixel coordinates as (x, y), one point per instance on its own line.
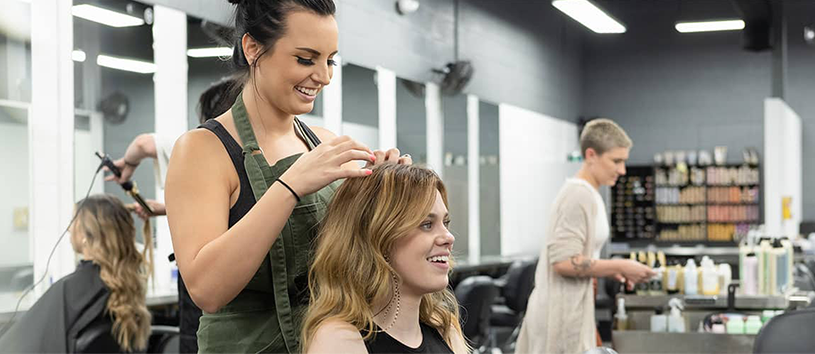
(392, 155)
(348, 173)
(405, 160)
(352, 155)
(619, 277)
(380, 157)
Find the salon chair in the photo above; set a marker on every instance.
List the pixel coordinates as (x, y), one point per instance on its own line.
(476, 295)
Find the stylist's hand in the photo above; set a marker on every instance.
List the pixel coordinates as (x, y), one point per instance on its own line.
(323, 165)
(127, 171)
(635, 272)
(391, 155)
(158, 208)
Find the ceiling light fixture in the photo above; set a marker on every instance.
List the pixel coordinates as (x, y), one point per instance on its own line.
(589, 15)
(105, 16)
(710, 26)
(136, 66)
(209, 52)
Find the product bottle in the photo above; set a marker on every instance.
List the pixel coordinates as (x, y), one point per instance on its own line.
(691, 278)
(772, 269)
(753, 325)
(621, 317)
(676, 322)
(764, 267)
(710, 277)
(659, 322)
(735, 324)
(749, 280)
(725, 275)
(785, 266)
(671, 281)
(656, 286)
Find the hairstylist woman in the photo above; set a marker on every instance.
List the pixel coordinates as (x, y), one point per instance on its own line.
(244, 194)
(560, 312)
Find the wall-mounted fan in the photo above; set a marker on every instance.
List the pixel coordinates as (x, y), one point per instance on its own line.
(456, 76)
(115, 107)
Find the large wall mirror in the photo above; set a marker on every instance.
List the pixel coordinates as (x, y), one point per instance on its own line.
(16, 264)
(455, 169)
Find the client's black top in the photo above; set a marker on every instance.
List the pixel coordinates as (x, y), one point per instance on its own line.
(69, 318)
(432, 342)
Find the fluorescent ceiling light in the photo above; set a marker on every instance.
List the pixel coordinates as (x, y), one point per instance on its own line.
(210, 52)
(105, 16)
(78, 56)
(710, 26)
(136, 66)
(589, 15)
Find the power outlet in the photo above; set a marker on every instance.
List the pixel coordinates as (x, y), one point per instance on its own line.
(21, 219)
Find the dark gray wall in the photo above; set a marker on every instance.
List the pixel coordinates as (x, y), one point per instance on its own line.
(525, 53)
(676, 91)
(694, 91)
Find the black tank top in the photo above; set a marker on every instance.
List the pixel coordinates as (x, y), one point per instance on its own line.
(432, 342)
(246, 200)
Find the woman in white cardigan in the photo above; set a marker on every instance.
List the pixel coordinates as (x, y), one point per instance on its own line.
(560, 313)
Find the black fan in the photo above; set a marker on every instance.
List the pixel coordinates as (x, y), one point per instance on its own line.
(115, 107)
(456, 76)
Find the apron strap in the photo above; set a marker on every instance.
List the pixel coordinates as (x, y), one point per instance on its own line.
(259, 172)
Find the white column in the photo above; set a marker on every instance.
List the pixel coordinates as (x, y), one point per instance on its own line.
(473, 173)
(170, 53)
(386, 89)
(51, 129)
(435, 129)
(782, 168)
(332, 100)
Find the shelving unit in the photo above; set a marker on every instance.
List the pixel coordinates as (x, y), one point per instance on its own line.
(633, 214)
(695, 204)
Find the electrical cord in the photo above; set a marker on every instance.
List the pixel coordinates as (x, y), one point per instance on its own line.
(51, 255)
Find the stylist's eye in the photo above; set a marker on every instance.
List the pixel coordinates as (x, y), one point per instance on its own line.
(446, 224)
(332, 62)
(304, 61)
(427, 226)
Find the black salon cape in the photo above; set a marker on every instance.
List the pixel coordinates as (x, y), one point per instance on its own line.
(57, 320)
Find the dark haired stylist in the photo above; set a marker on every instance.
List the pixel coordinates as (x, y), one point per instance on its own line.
(244, 194)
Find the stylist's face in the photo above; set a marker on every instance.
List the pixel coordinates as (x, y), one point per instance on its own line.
(609, 166)
(299, 65)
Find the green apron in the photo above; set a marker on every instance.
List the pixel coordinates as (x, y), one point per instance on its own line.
(266, 315)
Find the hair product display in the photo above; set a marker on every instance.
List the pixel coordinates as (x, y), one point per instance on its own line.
(633, 211)
(690, 203)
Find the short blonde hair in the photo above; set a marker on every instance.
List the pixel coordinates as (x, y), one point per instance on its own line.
(603, 134)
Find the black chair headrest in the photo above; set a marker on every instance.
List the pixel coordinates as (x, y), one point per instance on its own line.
(787, 333)
(476, 295)
(520, 282)
(97, 337)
